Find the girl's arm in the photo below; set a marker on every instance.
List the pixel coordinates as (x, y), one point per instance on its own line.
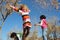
(39, 24)
(45, 22)
(15, 8)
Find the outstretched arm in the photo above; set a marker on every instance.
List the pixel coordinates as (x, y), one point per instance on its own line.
(15, 8)
(37, 25)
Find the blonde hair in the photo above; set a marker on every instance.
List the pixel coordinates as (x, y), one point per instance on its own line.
(23, 6)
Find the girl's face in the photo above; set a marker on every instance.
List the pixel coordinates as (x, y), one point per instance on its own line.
(24, 9)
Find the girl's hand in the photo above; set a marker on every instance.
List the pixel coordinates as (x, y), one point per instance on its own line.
(12, 6)
(35, 25)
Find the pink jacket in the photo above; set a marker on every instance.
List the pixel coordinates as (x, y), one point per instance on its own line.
(43, 23)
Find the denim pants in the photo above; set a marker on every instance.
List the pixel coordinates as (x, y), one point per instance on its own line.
(44, 33)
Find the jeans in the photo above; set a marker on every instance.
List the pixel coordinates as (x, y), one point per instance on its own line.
(44, 33)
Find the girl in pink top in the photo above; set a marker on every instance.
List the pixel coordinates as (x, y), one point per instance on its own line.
(43, 25)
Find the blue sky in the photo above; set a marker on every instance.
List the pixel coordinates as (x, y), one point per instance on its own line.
(15, 20)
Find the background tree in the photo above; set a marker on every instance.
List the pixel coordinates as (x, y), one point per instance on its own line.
(5, 9)
(52, 27)
(51, 3)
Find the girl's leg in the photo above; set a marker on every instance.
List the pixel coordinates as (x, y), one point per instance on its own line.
(28, 30)
(24, 33)
(45, 34)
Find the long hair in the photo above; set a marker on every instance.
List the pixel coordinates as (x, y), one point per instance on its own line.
(23, 6)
